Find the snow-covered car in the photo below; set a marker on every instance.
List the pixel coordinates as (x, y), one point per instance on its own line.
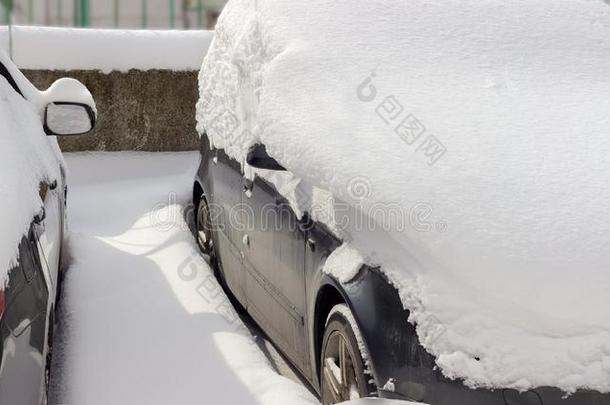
(440, 232)
(32, 212)
(348, 339)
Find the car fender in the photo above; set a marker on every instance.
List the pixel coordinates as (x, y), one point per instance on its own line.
(390, 340)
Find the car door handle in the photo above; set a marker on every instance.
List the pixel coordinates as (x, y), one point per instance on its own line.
(53, 185)
(305, 224)
(248, 185)
(41, 216)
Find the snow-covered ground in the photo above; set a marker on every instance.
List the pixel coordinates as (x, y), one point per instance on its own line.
(143, 320)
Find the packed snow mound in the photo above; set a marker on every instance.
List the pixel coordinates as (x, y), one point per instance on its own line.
(106, 50)
(485, 122)
(27, 157)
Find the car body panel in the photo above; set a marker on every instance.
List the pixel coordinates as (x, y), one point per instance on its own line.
(277, 264)
(24, 329)
(223, 185)
(274, 249)
(278, 260)
(50, 231)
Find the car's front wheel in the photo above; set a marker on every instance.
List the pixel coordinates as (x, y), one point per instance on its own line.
(342, 365)
(204, 228)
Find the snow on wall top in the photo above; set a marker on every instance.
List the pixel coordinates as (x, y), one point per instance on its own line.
(485, 122)
(106, 50)
(27, 157)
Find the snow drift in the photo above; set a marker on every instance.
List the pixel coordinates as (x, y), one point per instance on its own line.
(173, 336)
(486, 122)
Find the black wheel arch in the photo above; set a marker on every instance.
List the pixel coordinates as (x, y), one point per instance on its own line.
(379, 313)
(197, 193)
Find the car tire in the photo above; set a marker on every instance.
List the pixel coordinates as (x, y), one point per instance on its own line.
(203, 231)
(344, 374)
(207, 247)
(203, 227)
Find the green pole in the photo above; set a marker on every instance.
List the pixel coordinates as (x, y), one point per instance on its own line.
(172, 15)
(144, 13)
(8, 5)
(85, 13)
(200, 13)
(81, 13)
(116, 13)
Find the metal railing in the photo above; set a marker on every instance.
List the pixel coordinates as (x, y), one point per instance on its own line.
(184, 14)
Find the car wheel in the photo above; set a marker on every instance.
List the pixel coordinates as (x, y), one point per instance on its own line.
(204, 229)
(343, 372)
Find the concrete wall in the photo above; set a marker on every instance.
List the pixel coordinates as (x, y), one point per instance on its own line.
(150, 110)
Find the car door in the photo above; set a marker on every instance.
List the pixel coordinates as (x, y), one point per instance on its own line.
(226, 217)
(274, 249)
(24, 329)
(50, 220)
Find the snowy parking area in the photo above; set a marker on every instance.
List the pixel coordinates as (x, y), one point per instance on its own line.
(142, 318)
(412, 196)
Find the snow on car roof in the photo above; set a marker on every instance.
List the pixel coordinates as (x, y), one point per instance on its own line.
(27, 157)
(486, 123)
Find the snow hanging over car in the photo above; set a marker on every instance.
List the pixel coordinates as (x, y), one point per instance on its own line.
(27, 158)
(478, 132)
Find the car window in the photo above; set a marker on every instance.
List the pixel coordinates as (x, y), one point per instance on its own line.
(6, 74)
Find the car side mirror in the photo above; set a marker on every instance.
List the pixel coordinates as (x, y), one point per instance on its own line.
(259, 159)
(66, 118)
(70, 109)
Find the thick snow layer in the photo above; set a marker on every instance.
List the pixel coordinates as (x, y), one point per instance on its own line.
(27, 157)
(344, 263)
(477, 130)
(106, 50)
(143, 320)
